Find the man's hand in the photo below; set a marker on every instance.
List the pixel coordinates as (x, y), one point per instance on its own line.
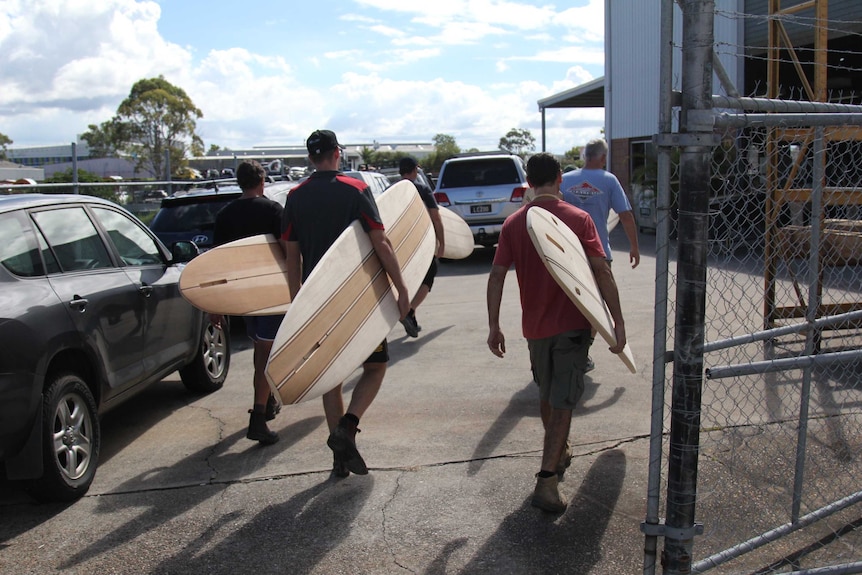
(620, 333)
(497, 342)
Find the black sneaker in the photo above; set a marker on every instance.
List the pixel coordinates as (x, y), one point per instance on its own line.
(590, 365)
(410, 326)
(343, 447)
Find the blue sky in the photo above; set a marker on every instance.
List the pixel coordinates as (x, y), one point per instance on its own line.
(270, 72)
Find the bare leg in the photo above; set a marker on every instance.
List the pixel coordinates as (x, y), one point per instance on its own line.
(366, 389)
(556, 433)
(420, 296)
(261, 386)
(333, 407)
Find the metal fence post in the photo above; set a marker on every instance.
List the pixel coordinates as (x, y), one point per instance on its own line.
(695, 138)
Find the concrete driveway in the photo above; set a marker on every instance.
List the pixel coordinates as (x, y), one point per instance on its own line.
(452, 441)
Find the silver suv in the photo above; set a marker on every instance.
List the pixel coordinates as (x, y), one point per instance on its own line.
(484, 189)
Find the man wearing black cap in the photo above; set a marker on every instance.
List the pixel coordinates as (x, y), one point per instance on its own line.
(409, 169)
(316, 213)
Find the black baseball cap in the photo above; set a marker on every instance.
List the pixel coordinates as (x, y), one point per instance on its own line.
(407, 165)
(321, 141)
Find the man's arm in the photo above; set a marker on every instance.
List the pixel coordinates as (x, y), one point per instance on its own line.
(389, 261)
(437, 222)
(608, 288)
(293, 257)
(627, 219)
(496, 339)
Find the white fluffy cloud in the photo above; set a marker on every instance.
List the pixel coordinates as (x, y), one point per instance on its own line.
(67, 64)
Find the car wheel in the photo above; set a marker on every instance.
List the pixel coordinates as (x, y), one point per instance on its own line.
(71, 437)
(207, 372)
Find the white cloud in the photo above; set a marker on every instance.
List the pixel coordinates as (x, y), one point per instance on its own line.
(64, 65)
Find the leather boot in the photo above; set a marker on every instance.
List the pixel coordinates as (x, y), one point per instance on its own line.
(258, 430)
(547, 496)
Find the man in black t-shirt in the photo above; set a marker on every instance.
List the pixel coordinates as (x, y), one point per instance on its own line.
(409, 169)
(249, 215)
(316, 213)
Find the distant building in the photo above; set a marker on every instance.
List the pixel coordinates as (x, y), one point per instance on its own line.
(276, 157)
(12, 172)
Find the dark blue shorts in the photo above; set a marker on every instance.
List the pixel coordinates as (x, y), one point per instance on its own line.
(262, 327)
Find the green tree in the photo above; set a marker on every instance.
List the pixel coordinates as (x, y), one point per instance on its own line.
(106, 139)
(573, 158)
(4, 142)
(214, 149)
(518, 141)
(445, 147)
(161, 119)
(84, 177)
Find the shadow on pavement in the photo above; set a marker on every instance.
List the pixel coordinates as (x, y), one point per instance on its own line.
(530, 541)
(525, 403)
(292, 537)
(152, 515)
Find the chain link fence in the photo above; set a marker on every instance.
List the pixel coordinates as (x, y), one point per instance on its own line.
(778, 474)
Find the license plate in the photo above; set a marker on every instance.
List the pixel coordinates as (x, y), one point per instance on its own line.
(481, 209)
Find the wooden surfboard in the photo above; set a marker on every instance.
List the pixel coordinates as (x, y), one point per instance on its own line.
(566, 261)
(243, 277)
(347, 305)
(458, 239)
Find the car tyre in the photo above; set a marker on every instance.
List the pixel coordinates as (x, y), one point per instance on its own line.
(208, 370)
(71, 438)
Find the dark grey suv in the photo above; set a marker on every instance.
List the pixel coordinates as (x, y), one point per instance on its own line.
(483, 188)
(90, 314)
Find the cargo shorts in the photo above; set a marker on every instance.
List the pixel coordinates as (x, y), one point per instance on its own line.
(559, 365)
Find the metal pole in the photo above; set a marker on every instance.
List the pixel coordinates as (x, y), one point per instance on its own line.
(812, 339)
(661, 287)
(75, 189)
(696, 129)
(168, 171)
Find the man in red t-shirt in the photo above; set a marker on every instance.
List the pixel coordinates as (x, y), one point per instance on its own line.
(557, 333)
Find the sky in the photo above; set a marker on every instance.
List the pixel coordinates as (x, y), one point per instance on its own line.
(270, 72)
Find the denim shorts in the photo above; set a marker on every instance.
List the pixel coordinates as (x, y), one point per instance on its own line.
(262, 327)
(559, 364)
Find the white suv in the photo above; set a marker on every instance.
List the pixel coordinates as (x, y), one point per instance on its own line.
(484, 189)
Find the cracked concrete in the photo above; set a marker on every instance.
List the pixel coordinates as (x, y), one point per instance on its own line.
(452, 441)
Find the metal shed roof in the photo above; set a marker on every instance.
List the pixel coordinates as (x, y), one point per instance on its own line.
(588, 95)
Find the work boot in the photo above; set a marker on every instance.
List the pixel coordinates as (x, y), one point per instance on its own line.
(565, 460)
(342, 442)
(547, 496)
(339, 469)
(272, 408)
(257, 429)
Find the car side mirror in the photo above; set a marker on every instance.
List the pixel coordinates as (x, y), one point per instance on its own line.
(184, 251)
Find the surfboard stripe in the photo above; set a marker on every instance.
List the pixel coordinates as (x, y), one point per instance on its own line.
(307, 356)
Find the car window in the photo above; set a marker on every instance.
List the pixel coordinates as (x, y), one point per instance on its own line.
(135, 247)
(73, 238)
(19, 252)
(489, 172)
(181, 218)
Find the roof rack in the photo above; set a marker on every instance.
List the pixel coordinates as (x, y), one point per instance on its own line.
(490, 153)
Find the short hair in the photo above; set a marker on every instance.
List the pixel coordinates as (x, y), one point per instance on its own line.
(595, 149)
(249, 174)
(407, 165)
(542, 169)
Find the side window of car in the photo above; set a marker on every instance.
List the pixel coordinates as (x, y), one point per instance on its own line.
(73, 239)
(19, 252)
(135, 247)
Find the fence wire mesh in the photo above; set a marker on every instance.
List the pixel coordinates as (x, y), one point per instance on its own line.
(778, 445)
